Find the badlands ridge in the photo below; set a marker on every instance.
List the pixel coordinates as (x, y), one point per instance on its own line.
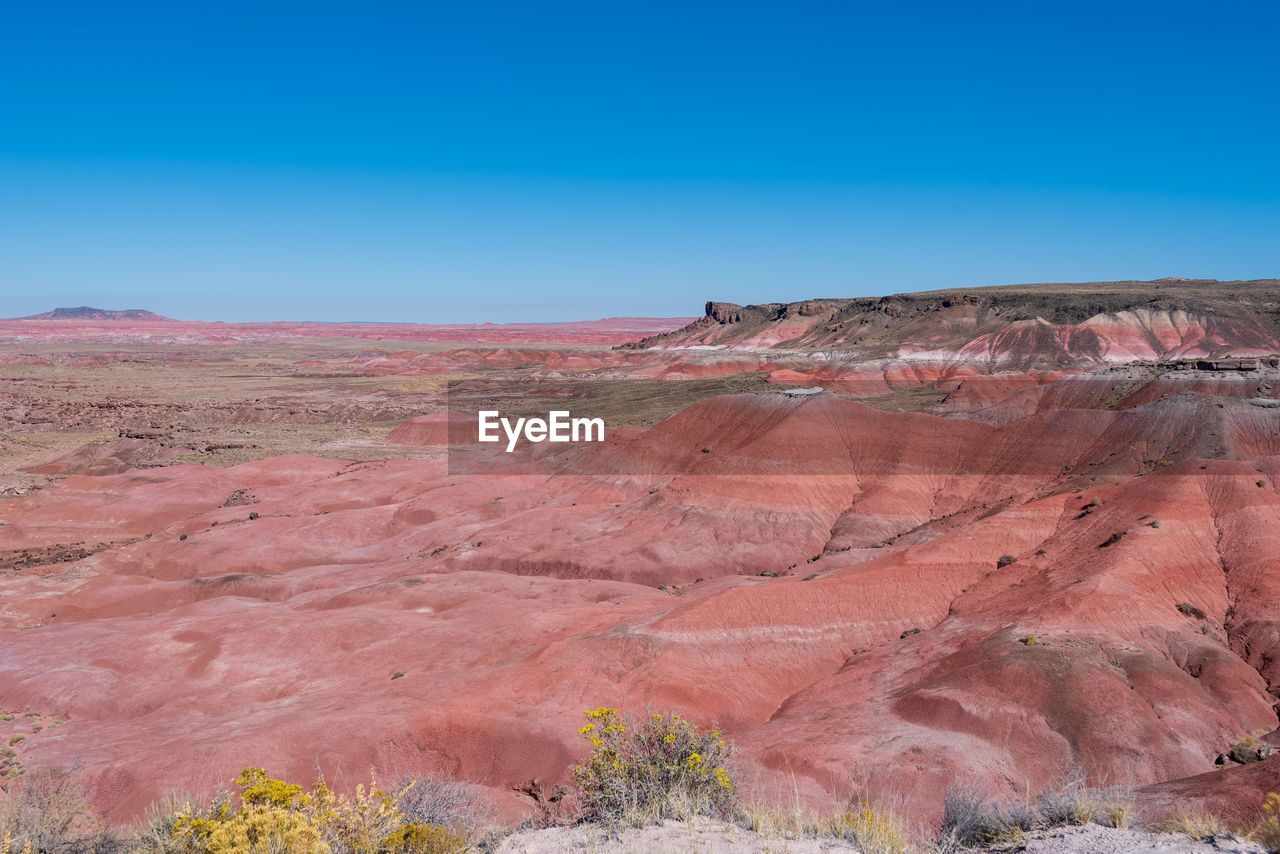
(1005, 537)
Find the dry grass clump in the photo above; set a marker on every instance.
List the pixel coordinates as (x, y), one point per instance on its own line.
(971, 820)
(1200, 826)
(874, 831)
(1076, 803)
(663, 767)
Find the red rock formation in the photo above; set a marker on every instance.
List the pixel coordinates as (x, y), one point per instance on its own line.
(204, 633)
(1010, 327)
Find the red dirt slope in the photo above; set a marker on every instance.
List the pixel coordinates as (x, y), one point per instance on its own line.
(194, 620)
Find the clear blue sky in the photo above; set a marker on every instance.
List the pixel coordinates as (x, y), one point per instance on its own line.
(469, 161)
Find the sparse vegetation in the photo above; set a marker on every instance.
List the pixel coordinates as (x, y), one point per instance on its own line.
(1076, 803)
(1090, 506)
(1198, 825)
(1005, 560)
(662, 767)
(1268, 832)
(275, 816)
(429, 799)
(155, 833)
(1244, 752)
(1113, 539)
(648, 779)
(874, 831)
(1190, 610)
(971, 820)
(45, 813)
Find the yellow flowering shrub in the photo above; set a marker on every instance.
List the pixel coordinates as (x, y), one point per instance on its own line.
(275, 817)
(1269, 830)
(661, 767)
(255, 828)
(416, 838)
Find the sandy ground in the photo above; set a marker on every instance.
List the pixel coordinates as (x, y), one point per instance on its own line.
(710, 837)
(1092, 839)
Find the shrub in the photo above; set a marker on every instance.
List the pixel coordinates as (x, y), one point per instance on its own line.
(1006, 560)
(1075, 803)
(426, 799)
(45, 811)
(1269, 831)
(1244, 752)
(1113, 539)
(155, 834)
(664, 767)
(548, 809)
(972, 821)
(257, 828)
(416, 838)
(275, 817)
(874, 832)
(1189, 610)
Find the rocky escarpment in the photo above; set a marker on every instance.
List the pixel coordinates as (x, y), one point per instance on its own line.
(1011, 326)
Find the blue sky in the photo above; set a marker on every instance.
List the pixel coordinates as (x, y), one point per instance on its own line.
(444, 162)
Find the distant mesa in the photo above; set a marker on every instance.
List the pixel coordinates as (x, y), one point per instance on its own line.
(1011, 327)
(85, 312)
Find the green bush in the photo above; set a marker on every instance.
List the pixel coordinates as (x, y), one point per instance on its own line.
(663, 767)
(1244, 752)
